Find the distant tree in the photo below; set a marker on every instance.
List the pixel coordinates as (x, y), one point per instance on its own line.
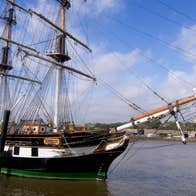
(154, 124)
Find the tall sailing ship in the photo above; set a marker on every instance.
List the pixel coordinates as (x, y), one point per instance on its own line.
(41, 131)
(36, 145)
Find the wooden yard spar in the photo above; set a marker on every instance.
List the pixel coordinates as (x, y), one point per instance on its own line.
(159, 113)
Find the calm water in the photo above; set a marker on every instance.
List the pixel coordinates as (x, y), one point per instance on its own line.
(148, 168)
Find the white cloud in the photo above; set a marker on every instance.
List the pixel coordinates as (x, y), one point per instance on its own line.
(113, 65)
(187, 41)
(179, 84)
(95, 7)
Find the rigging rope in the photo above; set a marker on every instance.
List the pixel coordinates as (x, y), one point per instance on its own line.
(80, 58)
(139, 5)
(176, 10)
(148, 35)
(184, 82)
(143, 82)
(124, 99)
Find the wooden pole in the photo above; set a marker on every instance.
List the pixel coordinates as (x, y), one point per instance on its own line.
(3, 134)
(60, 29)
(163, 108)
(62, 18)
(59, 75)
(9, 25)
(156, 113)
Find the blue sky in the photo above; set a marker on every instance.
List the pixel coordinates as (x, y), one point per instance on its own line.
(151, 17)
(118, 50)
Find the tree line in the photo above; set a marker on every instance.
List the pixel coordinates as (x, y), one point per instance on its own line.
(155, 124)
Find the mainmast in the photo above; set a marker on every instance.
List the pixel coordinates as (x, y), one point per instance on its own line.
(5, 62)
(61, 56)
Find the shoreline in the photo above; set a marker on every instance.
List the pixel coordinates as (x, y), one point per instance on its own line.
(157, 138)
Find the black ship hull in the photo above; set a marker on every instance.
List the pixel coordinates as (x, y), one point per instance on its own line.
(88, 166)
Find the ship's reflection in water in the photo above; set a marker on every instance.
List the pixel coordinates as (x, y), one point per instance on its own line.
(16, 186)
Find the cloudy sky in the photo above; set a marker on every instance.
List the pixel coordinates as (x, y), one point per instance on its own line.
(139, 42)
(136, 44)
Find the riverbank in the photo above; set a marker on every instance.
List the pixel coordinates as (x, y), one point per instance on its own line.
(159, 135)
(157, 138)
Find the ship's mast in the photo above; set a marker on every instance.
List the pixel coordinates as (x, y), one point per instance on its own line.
(61, 56)
(5, 63)
(10, 20)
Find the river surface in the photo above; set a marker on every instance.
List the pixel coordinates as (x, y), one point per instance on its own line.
(146, 168)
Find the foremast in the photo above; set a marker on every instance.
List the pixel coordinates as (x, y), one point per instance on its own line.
(5, 62)
(59, 56)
